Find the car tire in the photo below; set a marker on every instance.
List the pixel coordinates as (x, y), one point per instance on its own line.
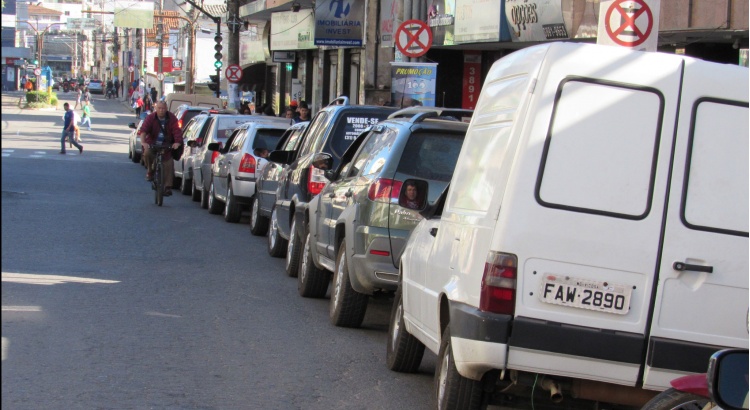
(136, 158)
(292, 251)
(276, 244)
(312, 282)
(196, 195)
(186, 184)
(130, 152)
(214, 205)
(675, 399)
(204, 198)
(347, 307)
(258, 223)
(452, 390)
(232, 211)
(404, 352)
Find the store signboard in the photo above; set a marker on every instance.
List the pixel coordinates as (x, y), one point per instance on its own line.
(480, 21)
(134, 14)
(413, 84)
(251, 51)
(535, 20)
(441, 17)
(81, 24)
(339, 23)
(390, 12)
(292, 31)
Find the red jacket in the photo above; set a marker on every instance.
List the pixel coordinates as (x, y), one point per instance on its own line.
(151, 129)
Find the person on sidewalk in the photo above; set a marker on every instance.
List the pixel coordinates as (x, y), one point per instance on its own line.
(117, 87)
(86, 116)
(69, 130)
(79, 93)
(160, 128)
(138, 105)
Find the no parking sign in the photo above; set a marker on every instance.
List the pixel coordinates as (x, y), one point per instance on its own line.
(629, 23)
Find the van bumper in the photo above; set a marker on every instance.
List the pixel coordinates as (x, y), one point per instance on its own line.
(479, 340)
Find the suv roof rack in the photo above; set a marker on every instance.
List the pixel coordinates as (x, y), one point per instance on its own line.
(452, 114)
(343, 100)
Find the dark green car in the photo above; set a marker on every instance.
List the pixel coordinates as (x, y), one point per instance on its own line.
(359, 223)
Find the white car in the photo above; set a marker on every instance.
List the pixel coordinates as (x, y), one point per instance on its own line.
(240, 162)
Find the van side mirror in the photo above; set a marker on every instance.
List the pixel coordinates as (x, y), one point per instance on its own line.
(281, 157)
(322, 160)
(214, 146)
(191, 143)
(413, 194)
(727, 379)
(131, 125)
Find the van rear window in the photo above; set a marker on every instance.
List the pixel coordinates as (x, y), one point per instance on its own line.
(431, 155)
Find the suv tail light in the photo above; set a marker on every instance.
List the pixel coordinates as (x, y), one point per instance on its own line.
(214, 155)
(179, 123)
(247, 164)
(383, 190)
(316, 180)
(498, 291)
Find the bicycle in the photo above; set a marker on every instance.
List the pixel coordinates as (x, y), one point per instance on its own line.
(158, 182)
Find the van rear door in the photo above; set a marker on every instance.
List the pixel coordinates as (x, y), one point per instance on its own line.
(701, 300)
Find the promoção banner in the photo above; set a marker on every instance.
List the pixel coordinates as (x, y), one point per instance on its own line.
(413, 84)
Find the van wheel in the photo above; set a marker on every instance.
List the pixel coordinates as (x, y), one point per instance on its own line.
(404, 352)
(348, 307)
(276, 244)
(675, 399)
(186, 185)
(292, 251)
(453, 390)
(196, 193)
(311, 282)
(232, 211)
(258, 223)
(214, 205)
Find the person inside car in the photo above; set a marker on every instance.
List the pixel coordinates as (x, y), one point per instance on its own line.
(160, 129)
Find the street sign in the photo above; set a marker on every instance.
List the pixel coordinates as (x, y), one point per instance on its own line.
(413, 38)
(630, 23)
(233, 73)
(160, 76)
(131, 69)
(80, 24)
(37, 71)
(176, 63)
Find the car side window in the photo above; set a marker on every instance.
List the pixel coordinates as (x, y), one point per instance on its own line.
(315, 133)
(360, 159)
(293, 140)
(236, 140)
(383, 142)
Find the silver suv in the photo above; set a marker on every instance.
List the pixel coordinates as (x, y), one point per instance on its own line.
(359, 223)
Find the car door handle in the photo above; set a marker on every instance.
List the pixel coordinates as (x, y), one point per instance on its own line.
(682, 266)
(433, 231)
(348, 194)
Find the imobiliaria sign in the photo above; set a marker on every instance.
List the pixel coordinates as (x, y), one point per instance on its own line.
(339, 23)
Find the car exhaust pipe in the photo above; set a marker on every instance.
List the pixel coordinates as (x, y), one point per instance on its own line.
(553, 388)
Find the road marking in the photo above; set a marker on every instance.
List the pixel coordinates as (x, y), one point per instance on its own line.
(9, 150)
(22, 309)
(37, 279)
(162, 314)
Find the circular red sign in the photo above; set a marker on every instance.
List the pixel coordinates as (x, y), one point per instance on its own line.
(413, 38)
(233, 73)
(628, 22)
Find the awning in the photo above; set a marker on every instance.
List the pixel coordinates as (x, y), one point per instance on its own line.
(16, 52)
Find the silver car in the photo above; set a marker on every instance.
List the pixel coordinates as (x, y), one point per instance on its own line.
(240, 162)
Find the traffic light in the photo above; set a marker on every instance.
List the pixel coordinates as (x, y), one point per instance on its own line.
(213, 85)
(36, 61)
(218, 49)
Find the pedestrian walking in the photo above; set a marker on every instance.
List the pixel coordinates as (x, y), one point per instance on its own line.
(117, 87)
(69, 130)
(86, 116)
(154, 94)
(79, 93)
(87, 95)
(138, 105)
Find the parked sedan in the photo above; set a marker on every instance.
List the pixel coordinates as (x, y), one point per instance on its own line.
(241, 160)
(135, 149)
(95, 87)
(192, 135)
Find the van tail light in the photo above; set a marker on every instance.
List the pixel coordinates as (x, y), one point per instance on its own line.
(214, 155)
(498, 291)
(247, 164)
(384, 190)
(316, 180)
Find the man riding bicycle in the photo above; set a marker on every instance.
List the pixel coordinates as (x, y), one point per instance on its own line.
(160, 128)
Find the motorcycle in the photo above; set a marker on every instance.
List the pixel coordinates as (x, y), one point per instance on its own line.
(110, 92)
(723, 387)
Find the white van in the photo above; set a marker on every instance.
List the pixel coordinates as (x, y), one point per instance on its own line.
(594, 238)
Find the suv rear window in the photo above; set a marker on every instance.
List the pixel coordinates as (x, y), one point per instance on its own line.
(225, 125)
(349, 126)
(431, 155)
(267, 138)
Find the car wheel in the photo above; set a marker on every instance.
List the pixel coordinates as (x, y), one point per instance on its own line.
(678, 400)
(214, 205)
(204, 198)
(311, 282)
(186, 185)
(453, 390)
(292, 251)
(404, 352)
(196, 193)
(136, 157)
(232, 210)
(258, 223)
(276, 244)
(130, 152)
(348, 307)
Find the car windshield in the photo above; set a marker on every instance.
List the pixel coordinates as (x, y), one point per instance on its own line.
(431, 155)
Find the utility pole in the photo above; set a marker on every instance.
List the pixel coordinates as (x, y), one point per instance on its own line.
(233, 54)
(160, 33)
(217, 20)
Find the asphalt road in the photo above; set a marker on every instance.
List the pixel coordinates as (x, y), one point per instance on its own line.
(110, 302)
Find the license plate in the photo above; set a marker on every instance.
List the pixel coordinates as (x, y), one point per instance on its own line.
(586, 294)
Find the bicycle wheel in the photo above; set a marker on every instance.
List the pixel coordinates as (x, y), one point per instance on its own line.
(159, 179)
